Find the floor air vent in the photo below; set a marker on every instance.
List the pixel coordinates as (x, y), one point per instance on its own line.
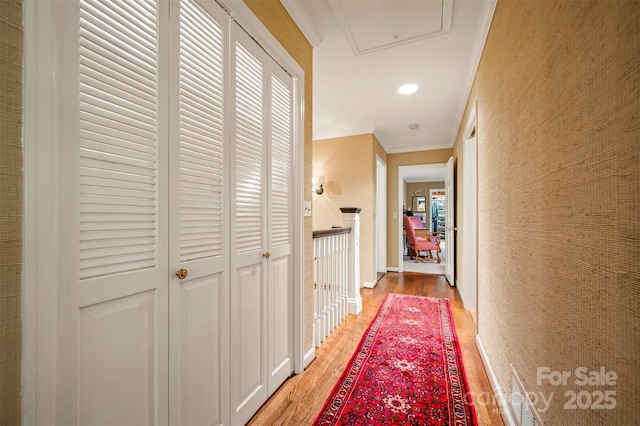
(522, 408)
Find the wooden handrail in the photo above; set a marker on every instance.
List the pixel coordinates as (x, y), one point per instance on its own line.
(333, 231)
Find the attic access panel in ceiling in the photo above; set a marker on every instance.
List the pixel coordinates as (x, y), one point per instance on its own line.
(380, 24)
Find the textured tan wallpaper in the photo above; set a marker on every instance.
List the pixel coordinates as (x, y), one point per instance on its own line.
(10, 210)
(558, 92)
(275, 17)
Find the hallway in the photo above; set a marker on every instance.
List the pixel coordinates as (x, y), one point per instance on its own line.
(300, 398)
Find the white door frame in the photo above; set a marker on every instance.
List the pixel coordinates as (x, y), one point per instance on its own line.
(468, 285)
(401, 200)
(40, 286)
(450, 228)
(381, 216)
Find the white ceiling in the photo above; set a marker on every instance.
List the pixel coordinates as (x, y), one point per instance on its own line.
(364, 50)
(423, 173)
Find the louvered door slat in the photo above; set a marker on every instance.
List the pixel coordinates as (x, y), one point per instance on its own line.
(115, 179)
(116, 75)
(249, 151)
(136, 46)
(115, 194)
(101, 84)
(198, 67)
(199, 167)
(94, 132)
(110, 241)
(116, 201)
(113, 17)
(100, 157)
(281, 173)
(191, 109)
(115, 104)
(96, 221)
(118, 137)
(106, 52)
(99, 252)
(96, 142)
(201, 134)
(107, 114)
(134, 209)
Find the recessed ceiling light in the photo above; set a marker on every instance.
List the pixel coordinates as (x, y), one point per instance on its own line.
(408, 89)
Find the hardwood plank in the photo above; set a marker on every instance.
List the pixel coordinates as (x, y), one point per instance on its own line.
(300, 398)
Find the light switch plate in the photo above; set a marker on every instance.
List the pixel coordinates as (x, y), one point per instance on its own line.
(307, 208)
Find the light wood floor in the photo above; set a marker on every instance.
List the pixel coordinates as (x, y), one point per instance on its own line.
(300, 398)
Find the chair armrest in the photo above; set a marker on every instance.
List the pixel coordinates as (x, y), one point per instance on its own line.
(424, 232)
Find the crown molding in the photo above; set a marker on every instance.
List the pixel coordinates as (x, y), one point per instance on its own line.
(301, 19)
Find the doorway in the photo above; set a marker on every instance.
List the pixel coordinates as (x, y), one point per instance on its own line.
(415, 184)
(468, 282)
(381, 218)
(437, 212)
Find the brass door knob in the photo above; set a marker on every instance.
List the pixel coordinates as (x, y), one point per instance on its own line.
(182, 274)
(266, 255)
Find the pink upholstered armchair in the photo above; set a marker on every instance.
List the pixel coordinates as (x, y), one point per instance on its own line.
(425, 241)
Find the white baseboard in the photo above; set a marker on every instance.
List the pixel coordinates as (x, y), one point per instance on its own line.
(497, 390)
(354, 306)
(392, 269)
(308, 357)
(367, 284)
(457, 290)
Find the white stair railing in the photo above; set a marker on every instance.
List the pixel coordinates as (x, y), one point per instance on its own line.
(336, 272)
(330, 254)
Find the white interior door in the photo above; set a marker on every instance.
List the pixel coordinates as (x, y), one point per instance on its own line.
(248, 239)
(381, 216)
(279, 228)
(113, 282)
(198, 198)
(469, 281)
(450, 234)
(261, 228)
(163, 162)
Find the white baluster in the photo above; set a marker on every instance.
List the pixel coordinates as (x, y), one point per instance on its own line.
(325, 291)
(336, 277)
(334, 281)
(351, 219)
(320, 292)
(327, 242)
(316, 299)
(344, 238)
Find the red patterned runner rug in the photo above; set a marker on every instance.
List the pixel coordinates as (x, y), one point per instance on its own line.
(407, 370)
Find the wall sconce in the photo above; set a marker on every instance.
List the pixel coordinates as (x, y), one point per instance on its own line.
(317, 184)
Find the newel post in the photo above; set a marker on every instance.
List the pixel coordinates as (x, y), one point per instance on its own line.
(351, 219)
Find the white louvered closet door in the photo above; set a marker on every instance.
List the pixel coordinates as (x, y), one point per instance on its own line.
(174, 223)
(279, 227)
(248, 243)
(112, 229)
(198, 243)
(260, 287)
